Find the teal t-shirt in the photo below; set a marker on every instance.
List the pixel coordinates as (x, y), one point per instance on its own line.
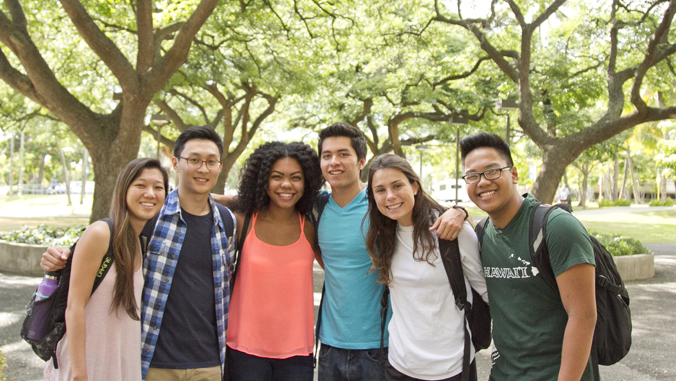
(351, 310)
(528, 316)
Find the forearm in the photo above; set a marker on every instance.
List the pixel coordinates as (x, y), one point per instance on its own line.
(577, 341)
(77, 338)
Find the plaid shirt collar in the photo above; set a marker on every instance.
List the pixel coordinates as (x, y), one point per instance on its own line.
(160, 263)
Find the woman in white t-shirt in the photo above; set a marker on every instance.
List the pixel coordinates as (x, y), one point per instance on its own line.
(426, 329)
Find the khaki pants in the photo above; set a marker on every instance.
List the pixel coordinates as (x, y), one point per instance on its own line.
(199, 374)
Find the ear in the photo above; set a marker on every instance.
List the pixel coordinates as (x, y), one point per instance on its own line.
(515, 175)
(174, 163)
(361, 164)
(416, 187)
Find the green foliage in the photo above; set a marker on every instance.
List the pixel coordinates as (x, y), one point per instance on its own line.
(619, 202)
(605, 203)
(3, 364)
(618, 245)
(667, 202)
(44, 235)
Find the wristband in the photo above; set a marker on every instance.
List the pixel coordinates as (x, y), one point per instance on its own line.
(461, 208)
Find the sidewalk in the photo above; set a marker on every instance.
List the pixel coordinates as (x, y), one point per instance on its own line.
(653, 305)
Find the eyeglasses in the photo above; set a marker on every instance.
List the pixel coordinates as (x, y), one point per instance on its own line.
(196, 163)
(489, 174)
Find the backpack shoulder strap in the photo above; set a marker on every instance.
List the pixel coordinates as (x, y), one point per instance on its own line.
(228, 220)
(147, 233)
(238, 252)
(318, 209)
(537, 243)
(450, 256)
(107, 260)
(480, 229)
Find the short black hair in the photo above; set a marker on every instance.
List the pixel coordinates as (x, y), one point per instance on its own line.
(254, 177)
(484, 139)
(347, 130)
(197, 132)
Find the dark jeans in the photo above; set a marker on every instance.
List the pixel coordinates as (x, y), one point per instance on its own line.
(336, 364)
(245, 367)
(392, 374)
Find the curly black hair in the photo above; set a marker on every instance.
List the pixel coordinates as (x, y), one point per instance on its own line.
(254, 177)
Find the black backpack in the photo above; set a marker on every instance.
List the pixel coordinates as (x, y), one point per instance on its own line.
(477, 314)
(612, 336)
(317, 211)
(45, 348)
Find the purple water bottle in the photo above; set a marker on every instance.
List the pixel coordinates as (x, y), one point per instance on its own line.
(39, 324)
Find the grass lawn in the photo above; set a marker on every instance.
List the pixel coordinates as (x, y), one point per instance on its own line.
(647, 227)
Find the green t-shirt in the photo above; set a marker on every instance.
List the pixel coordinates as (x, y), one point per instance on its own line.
(528, 316)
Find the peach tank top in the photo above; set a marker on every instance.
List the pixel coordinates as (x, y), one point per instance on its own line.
(272, 307)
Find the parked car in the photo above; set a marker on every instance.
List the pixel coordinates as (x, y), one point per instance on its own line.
(75, 187)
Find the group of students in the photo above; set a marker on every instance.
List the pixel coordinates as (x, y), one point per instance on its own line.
(368, 237)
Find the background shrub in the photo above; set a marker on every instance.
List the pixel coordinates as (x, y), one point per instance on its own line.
(667, 202)
(621, 202)
(618, 245)
(605, 203)
(44, 235)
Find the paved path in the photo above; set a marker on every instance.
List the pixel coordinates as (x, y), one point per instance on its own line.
(652, 356)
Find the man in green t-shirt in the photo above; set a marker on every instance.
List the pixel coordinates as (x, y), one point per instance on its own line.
(538, 333)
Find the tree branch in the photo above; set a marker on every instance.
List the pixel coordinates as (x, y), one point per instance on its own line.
(146, 43)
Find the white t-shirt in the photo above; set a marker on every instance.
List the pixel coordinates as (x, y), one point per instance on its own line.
(426, 330)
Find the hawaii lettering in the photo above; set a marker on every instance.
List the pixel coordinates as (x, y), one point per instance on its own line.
(506, 272)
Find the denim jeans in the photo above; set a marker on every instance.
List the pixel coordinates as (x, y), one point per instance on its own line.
(245, 367)
(336, 364)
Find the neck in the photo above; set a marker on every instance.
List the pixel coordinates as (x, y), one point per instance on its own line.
(194, 203)
(503, 216)
(343, 196)
(137, 225)
(275, 214)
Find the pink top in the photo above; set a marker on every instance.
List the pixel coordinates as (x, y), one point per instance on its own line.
(272, 307)
(113, 344)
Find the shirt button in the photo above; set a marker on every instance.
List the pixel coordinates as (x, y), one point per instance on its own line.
(167, 280)
(173, 256)
(160, 303)
(154, 327)
(148, 351)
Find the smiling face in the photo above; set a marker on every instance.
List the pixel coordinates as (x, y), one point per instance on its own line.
(197, 180)
(499, 198)
(145, 195)
(394, 195)
(339, 163)
(286, 183)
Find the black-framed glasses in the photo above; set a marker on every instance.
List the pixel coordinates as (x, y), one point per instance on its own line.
(489, 174)
(196, 163)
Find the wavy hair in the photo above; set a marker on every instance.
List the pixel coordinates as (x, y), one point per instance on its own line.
(254, 177)
(381, 238)
(125, 241)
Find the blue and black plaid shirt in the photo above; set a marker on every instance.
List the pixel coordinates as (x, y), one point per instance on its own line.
(160, 264)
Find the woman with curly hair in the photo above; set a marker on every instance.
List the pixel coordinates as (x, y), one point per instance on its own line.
(270, 327)
(426, 329)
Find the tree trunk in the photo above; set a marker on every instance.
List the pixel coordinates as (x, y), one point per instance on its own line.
(85, 159)
(11, 165)
(616, 175)
(633, 178)
(583, 186)
(20, 177)
(554, 163)
(41, 172)
(65, 166)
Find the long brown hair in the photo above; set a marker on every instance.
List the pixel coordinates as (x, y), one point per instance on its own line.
(125, 240)
(381, 237)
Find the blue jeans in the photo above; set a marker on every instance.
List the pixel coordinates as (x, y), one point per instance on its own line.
(336, 364)
(245, 367)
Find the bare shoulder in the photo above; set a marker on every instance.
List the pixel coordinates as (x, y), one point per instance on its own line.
(94, 241)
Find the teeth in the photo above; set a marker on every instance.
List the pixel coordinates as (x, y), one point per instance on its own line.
(286, 194)
(147, 204)
(395, 206)
(486, 194)
(335, 172)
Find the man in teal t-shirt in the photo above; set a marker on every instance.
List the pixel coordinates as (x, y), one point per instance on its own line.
(350, 326)
(538, 333)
